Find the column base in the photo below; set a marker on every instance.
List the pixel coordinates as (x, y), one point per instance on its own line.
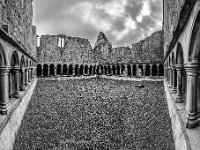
(192, 121)
(16, 95)
(174, 90)
(22, 88)
(179, 99)
(26, 83)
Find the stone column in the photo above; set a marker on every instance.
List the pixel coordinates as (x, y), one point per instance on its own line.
(192, 69)
(158, 71)
(55, 70)
(22, 87)
(170, 77)
(174, 85)
(179, 95)
(10, 83)
(26, 76)
(41, 70)
(73, 70)
(144, 70)
(126, 70)
(16, 82)
(4, 97)
(151, 70)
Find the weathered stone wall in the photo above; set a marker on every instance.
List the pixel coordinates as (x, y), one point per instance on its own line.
(16, 16)
(149, 49)
(76, 50)
(79, 51)
(172, 9)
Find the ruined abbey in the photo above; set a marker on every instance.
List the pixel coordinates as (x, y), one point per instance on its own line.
(66, 56)
(173, 54)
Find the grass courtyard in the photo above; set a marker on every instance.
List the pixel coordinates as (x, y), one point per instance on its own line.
(96, 114)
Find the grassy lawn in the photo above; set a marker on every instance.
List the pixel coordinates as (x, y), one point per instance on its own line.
(96, 114)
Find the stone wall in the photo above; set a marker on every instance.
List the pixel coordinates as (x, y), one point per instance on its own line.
(172, 9)
(149, 49)
(75, 50)
(79, 51)
(16, 18)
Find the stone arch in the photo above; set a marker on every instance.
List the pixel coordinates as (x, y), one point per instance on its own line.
(154, 70)
(105, 69)
(147, 70)
(129, 70)
(179, 54)
(86, 70)
(65, 69)
(118, 69)
(113, 69)
(122, 69)
(76, 70)
(194, 50)
(52, 70)
(45, 70)
(134, 70)
(3, 60)
(14, 60)
(39, 70)
(161, 70)
(109, 70)
(94, 69)
(141, 67)
(22, 73)
(81, 70)
(70, 69)
(90, 70)
(59, 69)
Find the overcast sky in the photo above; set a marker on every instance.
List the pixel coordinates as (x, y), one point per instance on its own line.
(123, 21)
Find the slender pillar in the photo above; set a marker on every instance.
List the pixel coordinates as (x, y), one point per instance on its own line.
(73, 70)
(41, 70)
(158, 71)
(192, 69)
(26, 76)
(144, 70)
(4, 97)
(16, 82)
(151, 70)
(22, 87)
(170, 77)
(126, 70)
(10, 83)
(174, 85)
(179, 95)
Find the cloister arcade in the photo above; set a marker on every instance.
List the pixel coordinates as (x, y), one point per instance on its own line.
(50, 69)
(182, 69)
(17, 70)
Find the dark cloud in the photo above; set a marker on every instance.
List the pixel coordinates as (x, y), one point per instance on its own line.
(85, 18)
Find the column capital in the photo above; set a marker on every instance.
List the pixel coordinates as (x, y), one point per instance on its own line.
(192, 68)
(4, 70)
(179, 67)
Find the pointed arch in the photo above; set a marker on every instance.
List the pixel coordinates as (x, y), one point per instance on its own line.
(76, 70)
(52, 70)
(147, 70)
(161, 70)
(154, 70)
(45, 70)
(39, 70)
(3, 60)
(59, 69)
(65, 69)
(14, 60)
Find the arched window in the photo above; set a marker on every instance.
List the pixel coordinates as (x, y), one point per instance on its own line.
(129, 70)
(141, 67)
(90, 70)
(161, 70)
(52, 70)
(81, 70)
(65, 69)
(70, 69)
(147, 70)
(118, 69)
(154, 70)
(59, 69)
(86, 69)
(134, 70)
(113, 70)
(39, 70)
(76, 70)
(45, 70)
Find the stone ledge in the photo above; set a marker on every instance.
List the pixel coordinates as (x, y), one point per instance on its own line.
(10, 123)
(181, 138)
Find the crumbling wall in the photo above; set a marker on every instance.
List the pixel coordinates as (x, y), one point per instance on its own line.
(76, 50)
(16, 18)
(171, 10)
(149, 49)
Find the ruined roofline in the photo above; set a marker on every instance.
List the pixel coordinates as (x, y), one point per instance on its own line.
(154, 33)
(63, 35)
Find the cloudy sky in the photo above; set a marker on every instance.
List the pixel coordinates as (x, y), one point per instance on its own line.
(123, 21)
